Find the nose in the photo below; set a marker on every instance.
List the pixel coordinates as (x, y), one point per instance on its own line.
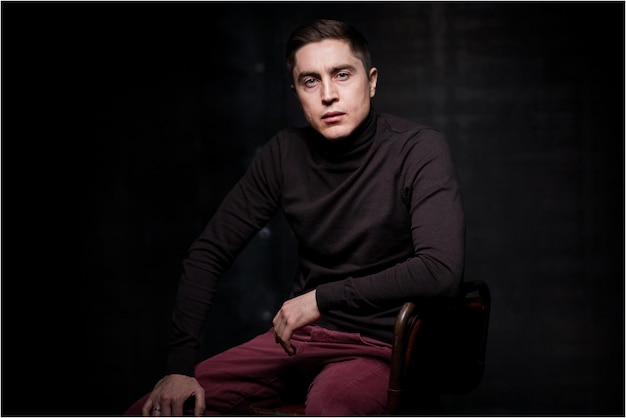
(329, 93)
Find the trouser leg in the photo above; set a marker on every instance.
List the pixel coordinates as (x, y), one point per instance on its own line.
(242, 374)
(354, 378)
(349, 388)
(349, 374)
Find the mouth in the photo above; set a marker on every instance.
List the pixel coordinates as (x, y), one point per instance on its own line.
(331, 117)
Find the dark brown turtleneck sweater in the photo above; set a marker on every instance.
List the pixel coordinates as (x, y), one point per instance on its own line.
(378, 218)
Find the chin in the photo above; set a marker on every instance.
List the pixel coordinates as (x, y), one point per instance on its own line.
(336, 133)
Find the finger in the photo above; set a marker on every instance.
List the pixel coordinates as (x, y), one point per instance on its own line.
(155, 411)
(287, 346)
(276, 323)
(199, 405)
(290, 349)
(146, 410)
(176, 409)
(281, 327)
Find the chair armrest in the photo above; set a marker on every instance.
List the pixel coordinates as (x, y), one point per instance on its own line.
(402, 334)
(440, 348)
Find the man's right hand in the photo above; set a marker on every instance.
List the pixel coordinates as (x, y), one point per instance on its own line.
(169, 395)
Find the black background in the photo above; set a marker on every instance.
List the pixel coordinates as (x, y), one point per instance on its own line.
(124, 125)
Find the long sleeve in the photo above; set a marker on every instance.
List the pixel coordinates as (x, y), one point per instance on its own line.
(245, 210)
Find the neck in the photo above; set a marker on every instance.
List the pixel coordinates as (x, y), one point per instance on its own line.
(354, 143)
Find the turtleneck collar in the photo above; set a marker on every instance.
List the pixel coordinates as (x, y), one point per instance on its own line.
(354, 145)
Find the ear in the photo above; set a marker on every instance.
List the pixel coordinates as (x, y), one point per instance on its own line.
(373, 80)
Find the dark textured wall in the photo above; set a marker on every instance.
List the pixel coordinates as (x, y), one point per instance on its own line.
(124, 125)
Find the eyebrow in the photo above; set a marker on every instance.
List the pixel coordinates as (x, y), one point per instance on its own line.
(333, 70)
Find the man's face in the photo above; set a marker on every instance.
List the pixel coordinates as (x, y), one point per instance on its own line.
(333, 87)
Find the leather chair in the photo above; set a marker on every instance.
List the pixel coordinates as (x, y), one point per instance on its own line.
(436, 351)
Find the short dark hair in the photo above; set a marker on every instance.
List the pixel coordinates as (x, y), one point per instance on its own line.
(319, 30)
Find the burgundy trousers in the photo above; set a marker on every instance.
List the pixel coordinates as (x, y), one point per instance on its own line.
(336, 373)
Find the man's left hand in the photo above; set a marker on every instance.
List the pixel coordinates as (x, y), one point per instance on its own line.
(294, 314)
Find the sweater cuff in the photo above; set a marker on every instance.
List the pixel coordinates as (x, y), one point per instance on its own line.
(329, 296)
(181, 361)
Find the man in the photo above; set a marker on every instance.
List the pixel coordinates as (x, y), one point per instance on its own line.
(375, 205)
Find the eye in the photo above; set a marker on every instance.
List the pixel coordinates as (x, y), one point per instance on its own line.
(343, 75)
(309, 82)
